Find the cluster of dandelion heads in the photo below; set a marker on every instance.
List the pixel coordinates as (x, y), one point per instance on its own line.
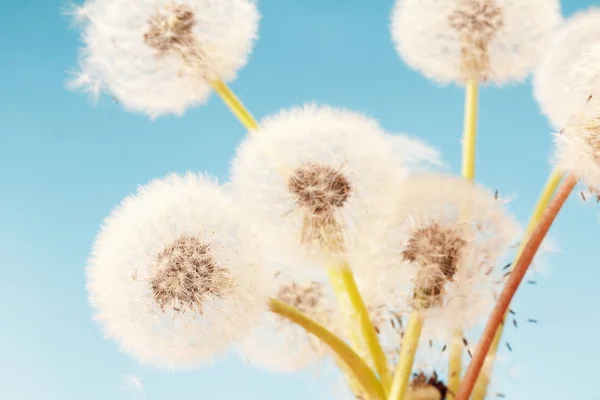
(172, 277)
(483, 40)
(309, 176)
(279, 345)
(567, 87)
(441, 252)
(159, 56)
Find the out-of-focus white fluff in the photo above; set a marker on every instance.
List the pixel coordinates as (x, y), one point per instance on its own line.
(279, 345)
(569, 69)
(124, 257)
(114, 58)
(427, 42)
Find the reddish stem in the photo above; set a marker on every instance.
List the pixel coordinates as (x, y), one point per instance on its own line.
(509, 290)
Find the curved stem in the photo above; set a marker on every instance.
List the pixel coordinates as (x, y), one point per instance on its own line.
(512, 285)
(410, 342)
(234, 104)
(346, 289)
(363, 374)
(552, 183)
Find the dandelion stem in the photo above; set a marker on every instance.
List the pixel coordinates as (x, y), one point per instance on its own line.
(468, 172)
(353, 306)
(470, 131)
(234, 104)
(553, 181)
(408, 350)
(352, 361)
(512, 285)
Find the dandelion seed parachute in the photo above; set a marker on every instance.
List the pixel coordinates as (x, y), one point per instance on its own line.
(441, 252)
(310, 177)
(484, 40)
(173, 277)
(159, 56)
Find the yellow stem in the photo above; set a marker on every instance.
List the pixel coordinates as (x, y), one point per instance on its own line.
(470, 131)
(355, 310)
(552, 184)
(455, 363)
(410, 342)
(352, 361)
(468, 172)
(234, 104)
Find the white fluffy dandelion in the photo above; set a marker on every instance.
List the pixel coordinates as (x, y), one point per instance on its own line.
(578, 144)
(309, 176)
(172, 276)
(279, 345)
(159, 56)
(483, 40)
(568, 75)
(441, 253)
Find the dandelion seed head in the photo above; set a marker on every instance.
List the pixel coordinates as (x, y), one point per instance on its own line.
(578, 144)
(310, 178)
(441, 253)
(568, 73)
(174, 277)
(484, 40)
(279, 345)
(160, 56)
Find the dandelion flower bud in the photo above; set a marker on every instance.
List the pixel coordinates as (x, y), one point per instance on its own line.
(172, 276)
(309, 176)
(282, 346)
(441, 252)
(482, 40)
(159, 56)
(568, 76)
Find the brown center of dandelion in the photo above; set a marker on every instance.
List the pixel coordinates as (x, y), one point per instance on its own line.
(171, 29)
(421, 383)
(306, 298)
(319, 190)
(437, 252)
(476, 21)
(186, 274)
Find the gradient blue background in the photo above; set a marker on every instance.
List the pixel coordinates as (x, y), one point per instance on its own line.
(65, 162)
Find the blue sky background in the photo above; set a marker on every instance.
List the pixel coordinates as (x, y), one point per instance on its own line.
(64, 163)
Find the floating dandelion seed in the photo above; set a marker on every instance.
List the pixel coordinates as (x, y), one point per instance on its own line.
(160, 56)
(310, 177)
(173, 276)
(134, 383)
(483, 40)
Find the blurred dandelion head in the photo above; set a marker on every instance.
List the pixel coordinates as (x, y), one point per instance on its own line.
(173, 275)
(566, 82)
(279, 345)
(578, 144)
(160, 56)
(482, 40)
(423, 387)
